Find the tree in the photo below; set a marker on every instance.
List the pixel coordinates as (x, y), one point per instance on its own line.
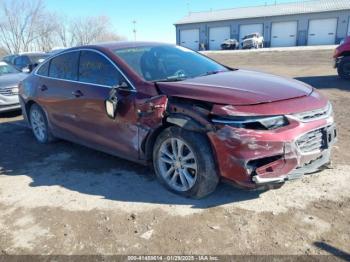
(19, 22)
(27, 26)
(92, 29)
(2, 52)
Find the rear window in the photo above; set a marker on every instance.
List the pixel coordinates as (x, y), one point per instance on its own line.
(65, 66)
(44, 69)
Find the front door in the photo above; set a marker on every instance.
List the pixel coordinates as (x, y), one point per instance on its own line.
(97, 76)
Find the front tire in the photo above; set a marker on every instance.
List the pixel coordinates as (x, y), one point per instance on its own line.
(344, 68)
(39, 124)
(183, 162)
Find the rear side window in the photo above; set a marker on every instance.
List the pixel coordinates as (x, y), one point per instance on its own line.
(65, 66)
(96, 69)
(44, 69)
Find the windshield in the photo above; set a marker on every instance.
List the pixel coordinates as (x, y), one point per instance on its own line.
(7, 69)
(168, 63)
(250, 36)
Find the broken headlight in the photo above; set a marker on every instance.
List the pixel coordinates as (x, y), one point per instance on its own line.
(253, 122)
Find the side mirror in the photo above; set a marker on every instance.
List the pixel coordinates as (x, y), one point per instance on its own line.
(123, 85)
(112, 103)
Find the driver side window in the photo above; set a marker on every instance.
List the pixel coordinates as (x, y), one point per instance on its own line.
(96, 69)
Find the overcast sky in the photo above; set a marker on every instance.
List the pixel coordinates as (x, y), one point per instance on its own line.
(155, 18)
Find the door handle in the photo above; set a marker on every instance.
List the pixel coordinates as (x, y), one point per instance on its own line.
(77, 93)
(43, 88)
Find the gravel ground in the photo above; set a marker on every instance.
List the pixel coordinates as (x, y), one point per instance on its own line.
(66, 199)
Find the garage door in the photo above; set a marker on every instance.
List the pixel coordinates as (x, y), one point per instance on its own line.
(322, 31)
(284, 34)
(249, 29)
(217, 35)
(190, 39)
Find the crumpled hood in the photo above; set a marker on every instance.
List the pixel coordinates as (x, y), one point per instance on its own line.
(239, 87)
(9, 80)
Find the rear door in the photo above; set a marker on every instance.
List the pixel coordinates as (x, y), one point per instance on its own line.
(97, 75)
(58, 80)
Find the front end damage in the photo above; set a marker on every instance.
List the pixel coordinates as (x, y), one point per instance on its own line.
(256, 158)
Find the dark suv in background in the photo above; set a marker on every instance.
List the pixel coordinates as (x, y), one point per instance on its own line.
(29, 61)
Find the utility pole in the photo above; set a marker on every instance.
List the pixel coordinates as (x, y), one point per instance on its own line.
(134, 30)
(188, 7)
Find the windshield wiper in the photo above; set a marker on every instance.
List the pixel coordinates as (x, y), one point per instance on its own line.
(214, 72)
(172, 79)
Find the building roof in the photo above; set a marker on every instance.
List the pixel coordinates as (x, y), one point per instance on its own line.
(314, 6)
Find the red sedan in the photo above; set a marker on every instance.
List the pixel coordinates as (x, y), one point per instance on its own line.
(197, 121)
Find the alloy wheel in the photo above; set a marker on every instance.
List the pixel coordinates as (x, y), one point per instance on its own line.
(177, 164)
(38, 125)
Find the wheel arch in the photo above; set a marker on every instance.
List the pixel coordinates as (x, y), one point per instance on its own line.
(175, 119)
(27, 107)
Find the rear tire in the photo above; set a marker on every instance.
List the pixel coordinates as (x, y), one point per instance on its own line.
(39, 124)
(344, 68)
(183, 162)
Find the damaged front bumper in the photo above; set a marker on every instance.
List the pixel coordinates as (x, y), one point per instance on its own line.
(254, 158)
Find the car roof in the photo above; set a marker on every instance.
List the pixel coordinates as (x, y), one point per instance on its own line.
(121, 45)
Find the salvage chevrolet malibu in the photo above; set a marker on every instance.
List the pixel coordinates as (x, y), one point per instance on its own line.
(197, 121)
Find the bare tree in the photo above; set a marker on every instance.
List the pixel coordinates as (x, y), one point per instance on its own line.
(27, 26)
(46, 30)
(2, 52)
(18, 24)
(63, 31)
(91, 30)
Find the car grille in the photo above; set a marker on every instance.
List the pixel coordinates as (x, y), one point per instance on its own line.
(312, 141)
(315, 114)
(9, 91)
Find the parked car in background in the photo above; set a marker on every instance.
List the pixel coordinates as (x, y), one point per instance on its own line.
(230, 44)
(9, 80)
(254, 40)
(196, 120)
(28, 61)
(9, 59)
(342, 58)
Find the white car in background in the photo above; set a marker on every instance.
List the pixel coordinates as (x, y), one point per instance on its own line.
(10, 77)
(254, 40)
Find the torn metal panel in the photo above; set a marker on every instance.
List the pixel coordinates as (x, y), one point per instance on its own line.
(151, 110)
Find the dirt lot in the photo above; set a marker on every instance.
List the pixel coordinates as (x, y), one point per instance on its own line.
(67, 199)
